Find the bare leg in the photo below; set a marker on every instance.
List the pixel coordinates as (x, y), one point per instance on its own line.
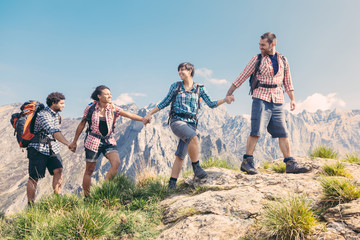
(31, 189)
(57, 180)
(90, 166)
(193, 149)
(177, 167)
(285, 147)
(251, 144)
(114, 165)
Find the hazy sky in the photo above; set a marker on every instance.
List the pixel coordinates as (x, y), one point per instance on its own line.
(134, 47)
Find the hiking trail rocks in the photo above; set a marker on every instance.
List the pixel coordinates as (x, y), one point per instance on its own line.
(228, 204)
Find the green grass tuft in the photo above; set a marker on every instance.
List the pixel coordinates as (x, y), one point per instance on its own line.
(279, 167)
(322, 151)
(352, 158)
(337, 169)
(92, 222)
(216, 162)
(338, 190)
(289, 218)
(115, 209)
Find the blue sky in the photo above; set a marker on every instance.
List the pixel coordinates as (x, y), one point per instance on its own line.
(134, 47)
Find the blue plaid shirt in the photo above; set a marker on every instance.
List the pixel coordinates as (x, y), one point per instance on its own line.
(186, 102)
(46, 120)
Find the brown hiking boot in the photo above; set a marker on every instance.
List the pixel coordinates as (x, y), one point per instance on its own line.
(248, 166)
(293, 167)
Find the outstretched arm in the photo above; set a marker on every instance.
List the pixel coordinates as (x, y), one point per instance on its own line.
(231, 90)
(153, 111)
(79, 130)
(60, 137)
(131, 116)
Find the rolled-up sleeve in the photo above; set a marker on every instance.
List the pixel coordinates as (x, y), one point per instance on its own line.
(48, 123)
(167, 100)
(204, 95)
(287, 78)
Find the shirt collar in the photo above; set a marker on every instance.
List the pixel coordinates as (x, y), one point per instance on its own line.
(97, 107)
(51, 111)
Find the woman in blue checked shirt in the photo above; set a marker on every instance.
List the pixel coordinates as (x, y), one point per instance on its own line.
(184, 97)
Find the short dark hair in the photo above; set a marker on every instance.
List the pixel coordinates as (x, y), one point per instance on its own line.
(97, 92)
(188, 66)
(54, 97)
(269, 36)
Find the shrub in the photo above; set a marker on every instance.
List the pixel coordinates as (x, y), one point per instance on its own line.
(337, 190)
(118, 191)
(91, 222)
(55, 203)
(324, 152)
(352, 158)
(36, 224)
(216, 162)
(288, 218)
(336, 169)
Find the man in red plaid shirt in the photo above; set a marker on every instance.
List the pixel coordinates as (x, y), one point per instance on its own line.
(268, 99)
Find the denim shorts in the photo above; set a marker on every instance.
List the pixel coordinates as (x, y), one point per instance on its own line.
(270, 116)
(104, 148)
(185, 131)
(38, 163)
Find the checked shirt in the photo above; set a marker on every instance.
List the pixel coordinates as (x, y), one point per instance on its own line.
(186, 102)
(266, 76)
(47, 120)
(92, 143)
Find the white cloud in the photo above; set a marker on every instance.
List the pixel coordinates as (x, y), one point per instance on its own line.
(127, 98)
(207, 75)
(317, 101)
(218, 81)
(204, 72)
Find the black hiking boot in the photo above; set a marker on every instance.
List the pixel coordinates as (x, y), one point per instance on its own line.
(198, 171)
(293, 167)
(172, 184)
(248, 165)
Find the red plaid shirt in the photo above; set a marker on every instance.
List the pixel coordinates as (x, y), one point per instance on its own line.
(92, 143)
(266, 76)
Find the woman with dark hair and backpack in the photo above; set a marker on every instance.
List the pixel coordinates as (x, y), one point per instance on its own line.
(101, 116)
(184, 97)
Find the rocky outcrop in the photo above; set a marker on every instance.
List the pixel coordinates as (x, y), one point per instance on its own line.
(227, 204)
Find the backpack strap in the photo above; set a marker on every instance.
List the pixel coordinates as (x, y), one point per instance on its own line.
(172, 112)
(198, 86)
(253, 81)
(89, 116)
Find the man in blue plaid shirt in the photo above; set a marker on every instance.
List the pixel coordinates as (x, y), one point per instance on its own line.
(44, 150)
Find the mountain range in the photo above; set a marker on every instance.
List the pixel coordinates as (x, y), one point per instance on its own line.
(152, 147)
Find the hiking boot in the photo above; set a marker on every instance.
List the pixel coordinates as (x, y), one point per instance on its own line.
(198, 171)
(248, 166)
(293, 167)
(172, 185)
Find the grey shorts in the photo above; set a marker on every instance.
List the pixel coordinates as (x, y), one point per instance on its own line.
(185, 131)
(270, 116)
(104, 148)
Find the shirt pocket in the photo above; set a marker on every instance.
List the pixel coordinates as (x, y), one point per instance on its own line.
(266, 69)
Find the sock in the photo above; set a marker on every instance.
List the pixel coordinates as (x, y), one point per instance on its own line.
(246, 156)
(173, 179)
(195, 163)
(288, 159)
